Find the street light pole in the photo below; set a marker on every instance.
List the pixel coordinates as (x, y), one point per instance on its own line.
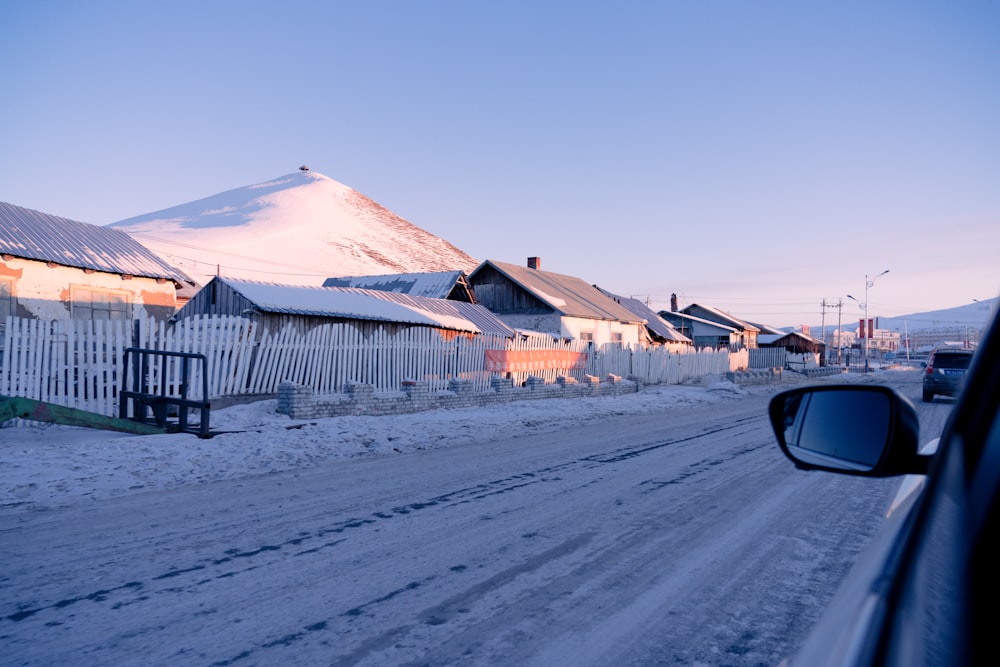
(869, 282)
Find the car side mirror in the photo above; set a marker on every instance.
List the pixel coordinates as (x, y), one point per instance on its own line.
(866, 430)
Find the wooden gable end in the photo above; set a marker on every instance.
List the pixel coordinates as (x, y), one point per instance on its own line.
(501, 295)
(216, 298)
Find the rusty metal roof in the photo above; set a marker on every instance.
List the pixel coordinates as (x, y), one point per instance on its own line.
(31, 234)
(567, 295)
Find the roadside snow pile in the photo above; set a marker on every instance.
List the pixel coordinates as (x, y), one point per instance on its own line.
(726, 387)
(44, 466)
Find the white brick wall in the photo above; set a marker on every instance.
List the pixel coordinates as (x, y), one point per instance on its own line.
(298, 402)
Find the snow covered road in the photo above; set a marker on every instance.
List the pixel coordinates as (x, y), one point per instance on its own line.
(677, 536)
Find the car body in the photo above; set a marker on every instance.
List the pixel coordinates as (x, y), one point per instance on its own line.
(945, 372)
(924, 592)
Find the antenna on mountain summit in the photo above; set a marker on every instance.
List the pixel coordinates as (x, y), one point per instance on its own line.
(304, 168)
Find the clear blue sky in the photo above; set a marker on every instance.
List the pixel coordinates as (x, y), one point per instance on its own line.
(756, 156)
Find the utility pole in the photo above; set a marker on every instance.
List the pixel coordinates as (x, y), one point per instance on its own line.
(822, 329)
(822, 322)
(840, 333)
(824, 305)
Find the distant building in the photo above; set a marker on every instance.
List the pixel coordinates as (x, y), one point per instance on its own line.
(839, 338)
(926, 339)
(882, 341)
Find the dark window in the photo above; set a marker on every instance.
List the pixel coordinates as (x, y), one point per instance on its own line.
(90, 304)
(958, 360)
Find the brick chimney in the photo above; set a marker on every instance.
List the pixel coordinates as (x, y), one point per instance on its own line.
(673, 303)
(535, 263)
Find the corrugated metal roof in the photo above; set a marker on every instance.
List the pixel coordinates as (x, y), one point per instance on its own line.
(353, 303)
(31, 234)
(480, 316)
(654, 322)
(680, 316)
(567, 295)
(434, 285)
(722, 317)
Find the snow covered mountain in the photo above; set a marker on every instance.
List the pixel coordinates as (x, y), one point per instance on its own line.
(976, 315)
(298, 229)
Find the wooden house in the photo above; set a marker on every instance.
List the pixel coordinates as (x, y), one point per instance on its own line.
(53, 268)
(452, 285)
(703, 333)
(746, 332)
(525, 297)
(275, 306)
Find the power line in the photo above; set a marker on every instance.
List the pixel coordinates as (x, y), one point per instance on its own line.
(254, 269)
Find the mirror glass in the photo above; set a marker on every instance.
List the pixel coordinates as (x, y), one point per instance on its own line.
(840, 428)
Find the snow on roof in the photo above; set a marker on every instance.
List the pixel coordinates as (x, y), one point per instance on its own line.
(31, 234)
(436, 285)
(568, 295)
(768, 339)
(353, 303)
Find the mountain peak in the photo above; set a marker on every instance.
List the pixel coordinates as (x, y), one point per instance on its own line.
(300, 228)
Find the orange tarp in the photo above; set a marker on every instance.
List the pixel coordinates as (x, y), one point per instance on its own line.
(515, 361)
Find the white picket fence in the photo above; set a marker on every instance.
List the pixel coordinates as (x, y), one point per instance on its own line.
(329, 357)
(80, 363)
(658, 365)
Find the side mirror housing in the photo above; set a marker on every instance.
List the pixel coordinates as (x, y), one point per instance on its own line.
(866, 430)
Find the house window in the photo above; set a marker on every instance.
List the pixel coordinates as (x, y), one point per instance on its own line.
(616, 336)
(8, 303)
(587, 336)
(98, 304)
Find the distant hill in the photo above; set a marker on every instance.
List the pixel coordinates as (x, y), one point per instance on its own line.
(298, 229)
(976, 315)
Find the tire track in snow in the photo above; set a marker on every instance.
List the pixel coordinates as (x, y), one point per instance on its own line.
(510, 484)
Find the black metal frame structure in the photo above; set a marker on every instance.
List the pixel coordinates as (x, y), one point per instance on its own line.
(145, 396)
